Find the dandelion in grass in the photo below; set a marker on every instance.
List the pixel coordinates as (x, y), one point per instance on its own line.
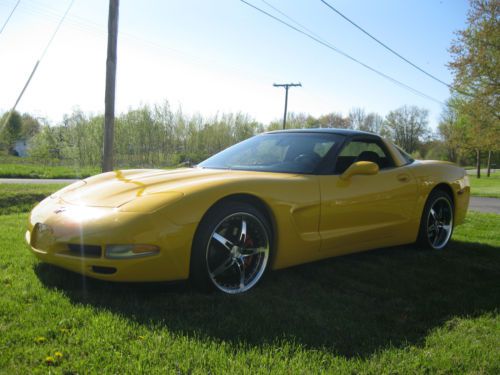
(58, 355)
(50, 361)
(40, 339)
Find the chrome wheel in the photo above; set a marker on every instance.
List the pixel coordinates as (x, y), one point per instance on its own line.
(237, 252)
(439, 223)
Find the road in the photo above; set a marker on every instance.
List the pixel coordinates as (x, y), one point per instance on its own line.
(483, 204)
(483, 171)
(480, 204)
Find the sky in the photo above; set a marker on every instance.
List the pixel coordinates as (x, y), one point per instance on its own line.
(217, 56)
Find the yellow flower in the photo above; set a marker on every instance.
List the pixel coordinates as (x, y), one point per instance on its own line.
(58, 355)
(141, 337)
(40, 339)
(50, 361)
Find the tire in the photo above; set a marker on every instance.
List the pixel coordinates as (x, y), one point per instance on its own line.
(231, 248)
(436, 224)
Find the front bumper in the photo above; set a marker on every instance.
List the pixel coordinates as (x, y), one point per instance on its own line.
(55, 228)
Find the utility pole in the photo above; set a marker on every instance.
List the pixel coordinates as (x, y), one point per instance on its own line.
(109, 96)
(286, 86)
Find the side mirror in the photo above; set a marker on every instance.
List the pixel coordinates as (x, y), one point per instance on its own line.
(360, 167)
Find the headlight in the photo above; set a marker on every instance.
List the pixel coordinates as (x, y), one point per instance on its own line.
(130, 251)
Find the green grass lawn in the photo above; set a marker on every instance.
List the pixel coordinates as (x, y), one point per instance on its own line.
(486, 186)
(398, 310)
(21, 198)
(14, 170)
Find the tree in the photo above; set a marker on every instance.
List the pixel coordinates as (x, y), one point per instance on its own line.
(476, 68)
(407, 126)
(455, 132)
(373, 123)
(357, 118)
(334, 120)
(11, 132)
(30, 126)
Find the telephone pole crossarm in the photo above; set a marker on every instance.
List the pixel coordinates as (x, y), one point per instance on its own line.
(286, 86)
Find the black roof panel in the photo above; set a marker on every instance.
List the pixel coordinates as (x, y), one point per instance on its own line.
(347, 132)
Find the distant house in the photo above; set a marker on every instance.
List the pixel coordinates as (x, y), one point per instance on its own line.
(20, 148)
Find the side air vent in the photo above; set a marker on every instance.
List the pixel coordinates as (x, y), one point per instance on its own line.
(104, 270)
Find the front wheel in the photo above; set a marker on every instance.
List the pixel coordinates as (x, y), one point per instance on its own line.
(231, 248)
(436, 225)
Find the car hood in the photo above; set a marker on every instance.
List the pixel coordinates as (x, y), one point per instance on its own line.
(115, 189)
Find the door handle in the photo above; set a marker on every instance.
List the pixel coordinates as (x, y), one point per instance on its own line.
(403, 177)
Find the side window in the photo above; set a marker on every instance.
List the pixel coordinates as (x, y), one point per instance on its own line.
(363, 150)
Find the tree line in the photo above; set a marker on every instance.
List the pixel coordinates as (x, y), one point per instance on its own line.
(152, 136)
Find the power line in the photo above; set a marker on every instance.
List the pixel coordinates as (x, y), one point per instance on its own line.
(38, 63)
(86, 25)
(294, 21)
(385, 45)
(56, 30)
(10, 15)
(333, 48)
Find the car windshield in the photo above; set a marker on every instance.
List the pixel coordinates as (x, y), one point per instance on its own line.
(405, 155)
(276, 152)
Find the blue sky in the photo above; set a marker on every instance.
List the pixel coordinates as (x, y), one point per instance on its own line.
(221, 55)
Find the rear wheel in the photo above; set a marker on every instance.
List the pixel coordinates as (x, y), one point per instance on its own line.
(231, 248)
(436, 225)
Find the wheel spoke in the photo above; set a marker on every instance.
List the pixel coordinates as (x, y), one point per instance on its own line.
(433, 214)
(243, 232)
(241, 266)
(252, 251)
(436, 238)
(223, 241)
(227, 264)
(447, 228)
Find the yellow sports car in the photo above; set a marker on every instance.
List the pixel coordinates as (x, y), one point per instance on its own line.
(273, 201)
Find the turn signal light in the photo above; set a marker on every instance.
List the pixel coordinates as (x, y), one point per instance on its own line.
(130, 251)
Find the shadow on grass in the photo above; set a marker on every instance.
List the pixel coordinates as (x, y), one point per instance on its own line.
(351, 306)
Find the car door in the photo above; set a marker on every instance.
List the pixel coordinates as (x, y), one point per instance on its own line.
(366, 211)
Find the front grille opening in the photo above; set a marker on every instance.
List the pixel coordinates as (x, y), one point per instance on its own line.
(93, 251)
(104, 270)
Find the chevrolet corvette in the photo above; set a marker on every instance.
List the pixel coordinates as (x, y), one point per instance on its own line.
(272, 201)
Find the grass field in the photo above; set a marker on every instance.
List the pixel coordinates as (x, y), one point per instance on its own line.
(398, 310)
(12, 170)
(486, 186)
(21, 198)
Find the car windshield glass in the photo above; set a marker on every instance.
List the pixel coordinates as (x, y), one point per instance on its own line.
(276, 152)
(405, 155)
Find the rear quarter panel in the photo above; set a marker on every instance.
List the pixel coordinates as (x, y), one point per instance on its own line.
(429, 174)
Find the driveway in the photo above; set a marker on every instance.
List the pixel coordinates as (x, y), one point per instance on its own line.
(483, 204)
